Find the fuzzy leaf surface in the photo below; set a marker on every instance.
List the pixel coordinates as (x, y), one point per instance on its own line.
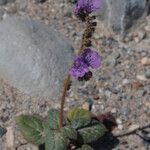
(70, 132)
(31, 128)
(92, 132)
(79, 117)
(53, 118)
(54, 139)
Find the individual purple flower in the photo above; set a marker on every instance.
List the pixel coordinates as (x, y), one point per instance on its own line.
(80, 68)
(86, 6)
(86, 77)
(91, 58)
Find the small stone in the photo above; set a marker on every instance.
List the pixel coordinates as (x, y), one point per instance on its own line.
(125, 81)
(141, 77)
(147, 28)
(147, 104)
(3, 2)
(10, 138)
(147, 74)
(28, 147)
(118, 121)
(11, 1)
(102, 107)
(120, 126)
(114, 110)
(137, 85)
(136, 39)
(133, 127)
(145, 61)
(2, 131)
(95, 97)
(141, 35)
(86, 106)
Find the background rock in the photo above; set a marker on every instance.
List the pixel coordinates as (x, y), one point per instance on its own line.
(33, 57)
(121, 14)
(3, 2)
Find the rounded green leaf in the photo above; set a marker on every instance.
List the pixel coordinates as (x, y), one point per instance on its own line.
(54, 139)
(70, 132)
(79, 117)
(53, 118)
(92, 132)
(31, 128)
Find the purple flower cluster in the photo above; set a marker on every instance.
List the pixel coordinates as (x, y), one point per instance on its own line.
(80, 68)
(86, 6)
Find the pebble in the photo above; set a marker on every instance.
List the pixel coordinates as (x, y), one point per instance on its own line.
(2, 131)
(147, 74)
(86, 106)
(10, 138)
(120, 126)
(147, 28)
(145, 61)
(114, 110)
(133, 127)
(119, 121)
(141, 77)
(137, 85)
(125, 81)
(147, 104)
(141, 35)
(136, 39)
(3, 2)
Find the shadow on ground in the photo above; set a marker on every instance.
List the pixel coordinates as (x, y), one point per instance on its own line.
(109, 141)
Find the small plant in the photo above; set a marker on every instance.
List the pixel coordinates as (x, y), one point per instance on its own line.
(78, 127)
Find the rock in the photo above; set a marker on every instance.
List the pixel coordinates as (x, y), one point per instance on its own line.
(147, 74)
(121, 14)
(147, 104)
(137, 85)
(133, 127)
(11, 1)
(23, 5)
(125, 81)
(141, 35)
(28, 147)
(136, 39)
(145, 61)
(2, 131)
(141, 77)
(114, 110)
(147, 28)
(120, 126)
(33, 58)
(3, 2)
(10, 138)
(119, 121)
(86, 106)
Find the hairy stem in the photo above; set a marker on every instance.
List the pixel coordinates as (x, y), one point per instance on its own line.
(85, 42)
(65, 88)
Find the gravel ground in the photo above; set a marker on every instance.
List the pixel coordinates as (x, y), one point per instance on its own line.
(121, 86)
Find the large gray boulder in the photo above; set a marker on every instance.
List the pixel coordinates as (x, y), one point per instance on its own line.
(33, 57)
(121, 14)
